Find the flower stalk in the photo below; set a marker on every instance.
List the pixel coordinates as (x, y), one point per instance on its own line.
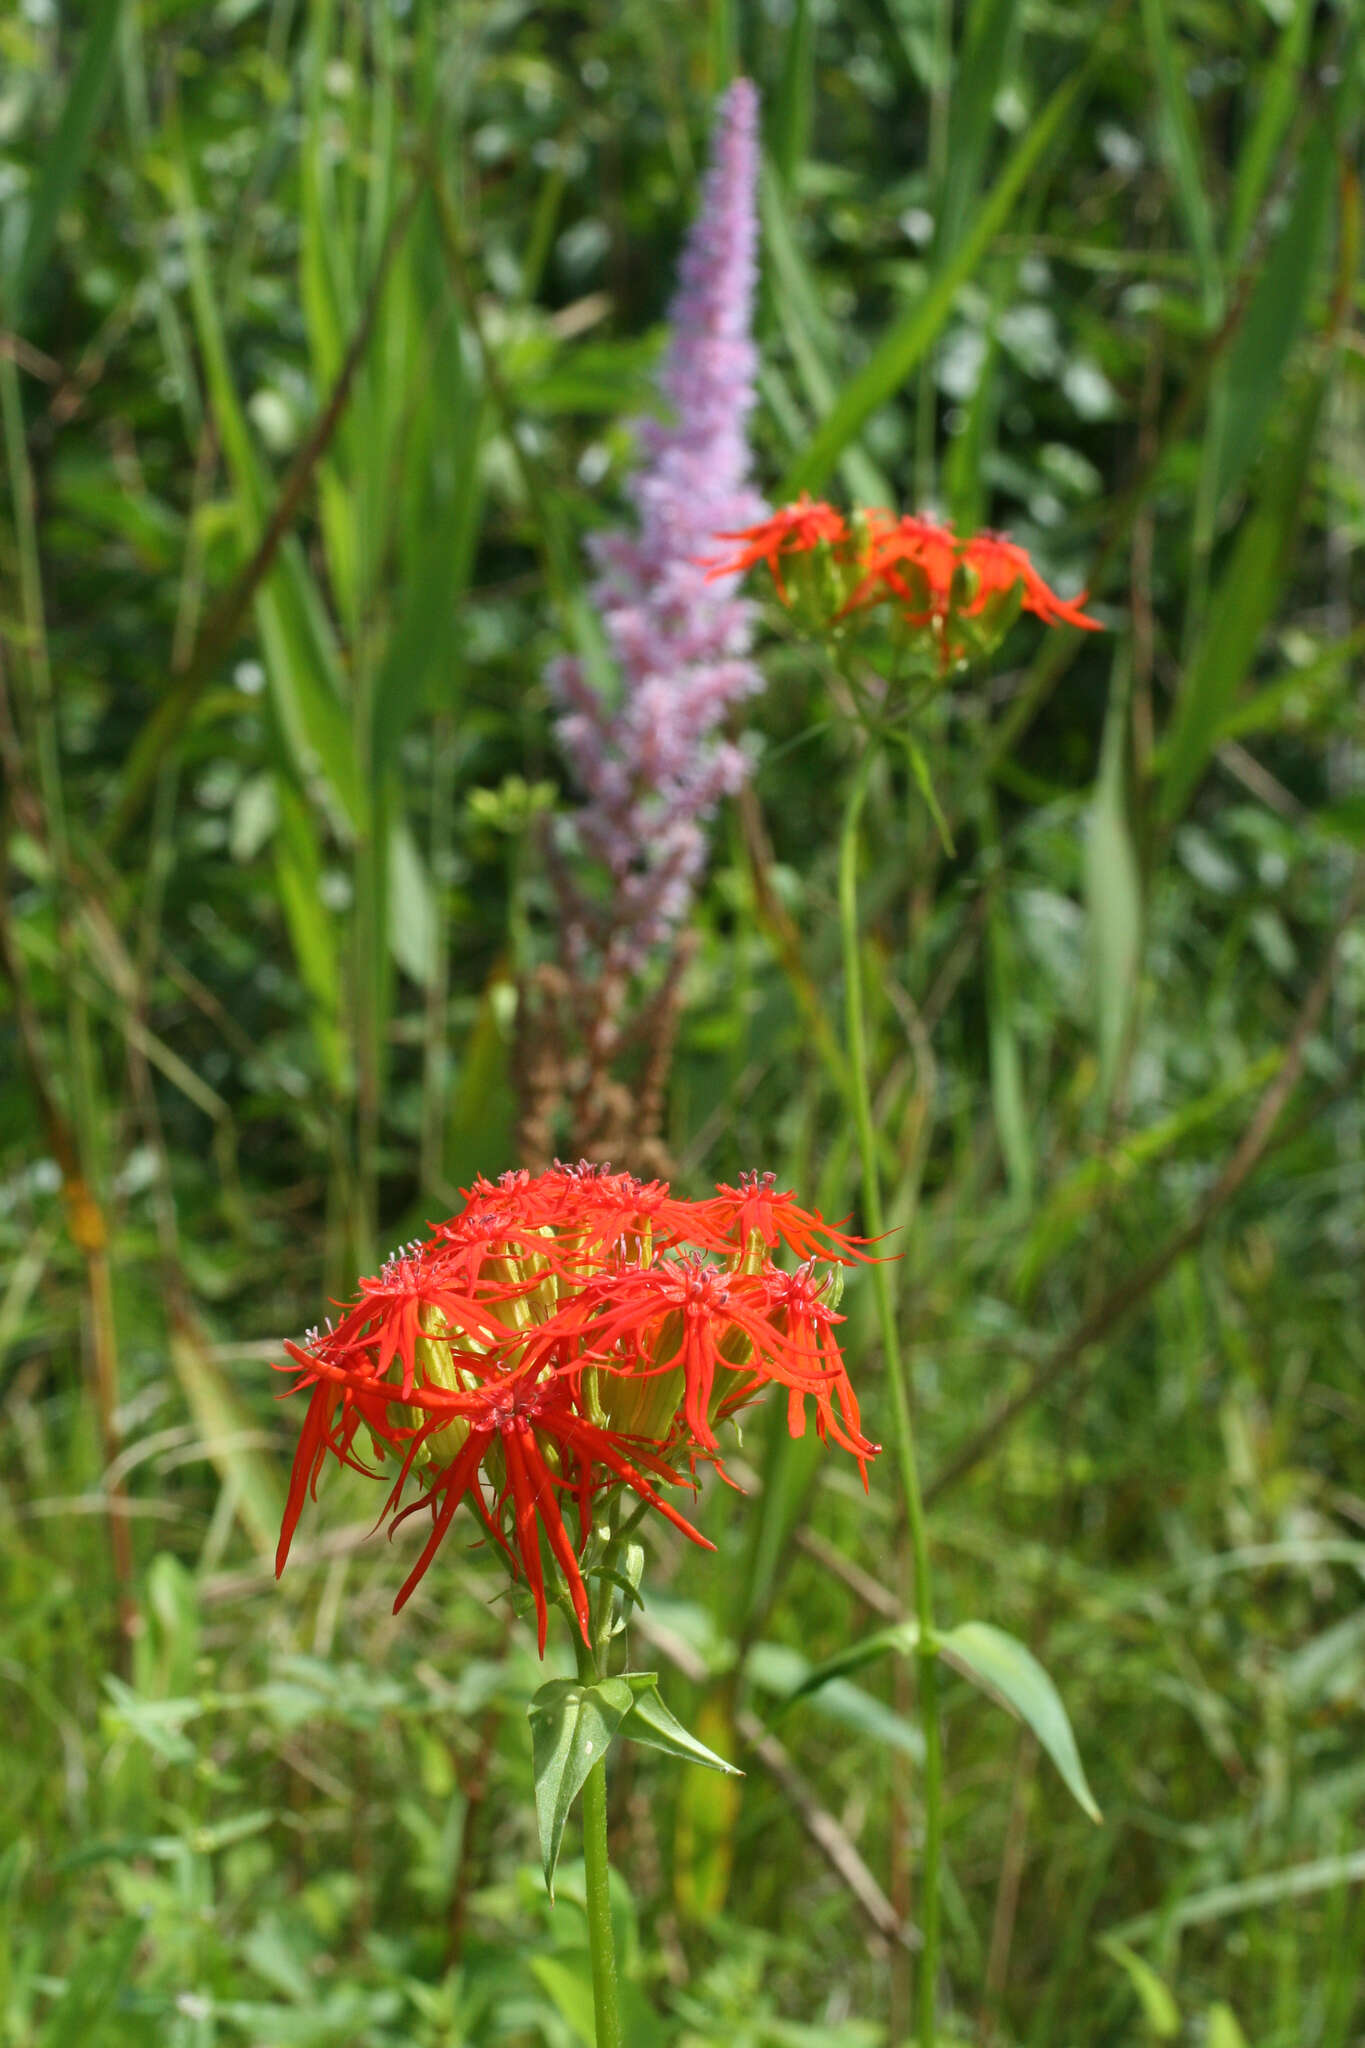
(903, 1431)
(592, 1666)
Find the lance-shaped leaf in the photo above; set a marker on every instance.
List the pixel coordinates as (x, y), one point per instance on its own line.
(996, 1663)
(650, 1722)
(1001, 1666)
(572, 1728)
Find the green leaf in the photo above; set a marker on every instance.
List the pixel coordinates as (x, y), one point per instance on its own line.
(80, 2015)
(1222, 2029)
(568, 1985)
(411, 905)
(1010, 1673)
(988, 44)
(230, 1437)
(1180, 144)
(650, 1722)
(812, 338)
(899, 1640)
(1255, 158)
(1159, 2008)
(572, 1728)
(1278, 310)
(64, 157)
(1251, 1895)
(1241, 608)
(298, 873)
(995, 1662)
(1113, 887)
(1009, 1094)
(775, 1668)
(790, 120)
(904, 344)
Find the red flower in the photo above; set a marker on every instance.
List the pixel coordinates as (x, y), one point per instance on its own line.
(571, 1333)
(937, 579)
(756, 1208)
(792, 530)
(547, 1448)
(920, 546)
(999, 564)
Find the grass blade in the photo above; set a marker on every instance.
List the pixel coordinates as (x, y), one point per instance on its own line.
(903, 346)
(1276, 315)
(1241, 608)
(65, 155)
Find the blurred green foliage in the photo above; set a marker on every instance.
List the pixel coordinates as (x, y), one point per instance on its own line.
(321, 327)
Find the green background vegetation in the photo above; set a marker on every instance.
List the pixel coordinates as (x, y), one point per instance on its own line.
(320, 329)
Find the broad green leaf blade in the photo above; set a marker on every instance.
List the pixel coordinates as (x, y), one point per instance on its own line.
(63, 158)
(1113, 887)
(650, 1722)
(1003, 1667)
(572, 1728)
(1159, 2009)
(903, 346)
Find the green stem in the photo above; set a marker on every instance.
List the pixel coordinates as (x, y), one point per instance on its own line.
(592, 1665)
(601, 1941)
(903, 1425)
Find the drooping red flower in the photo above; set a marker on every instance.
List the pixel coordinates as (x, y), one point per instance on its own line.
(999, 564)
(568, 1336)
(792, 530)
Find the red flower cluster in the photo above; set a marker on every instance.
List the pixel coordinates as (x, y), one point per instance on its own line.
(567, 1334)
(924, 567)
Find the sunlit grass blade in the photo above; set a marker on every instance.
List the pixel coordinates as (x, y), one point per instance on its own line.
(904, 343)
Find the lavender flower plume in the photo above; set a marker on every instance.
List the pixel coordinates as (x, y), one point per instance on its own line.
(654, 764)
